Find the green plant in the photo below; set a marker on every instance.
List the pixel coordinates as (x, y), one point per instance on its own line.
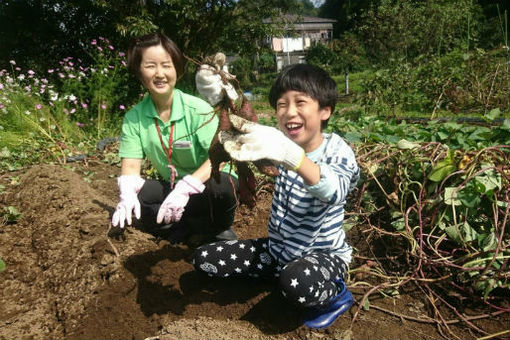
(10, 215)
(63, 112)
(242, 67)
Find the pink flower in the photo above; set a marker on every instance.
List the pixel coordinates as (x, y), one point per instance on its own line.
(93, 42)
(122, 107)
(84, 105)
(1, 86)
(110, 47)
(80, 124)
(12, 62)
(51, 70)
(73, 110)
(103, 106)
(121, 54)
(70, 63)
(38, 106)
(99, 48)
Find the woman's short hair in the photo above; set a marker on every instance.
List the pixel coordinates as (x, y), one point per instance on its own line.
(138, 46)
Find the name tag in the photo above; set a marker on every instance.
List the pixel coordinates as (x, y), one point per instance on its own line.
(182, 144)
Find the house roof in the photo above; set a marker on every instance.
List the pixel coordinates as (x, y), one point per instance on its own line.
(299, 19)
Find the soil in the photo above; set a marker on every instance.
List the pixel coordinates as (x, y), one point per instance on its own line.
(70, 276)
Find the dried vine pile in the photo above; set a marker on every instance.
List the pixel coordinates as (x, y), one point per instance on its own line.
(440, 219)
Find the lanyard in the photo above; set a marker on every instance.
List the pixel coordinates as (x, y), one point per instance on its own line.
(168, 152)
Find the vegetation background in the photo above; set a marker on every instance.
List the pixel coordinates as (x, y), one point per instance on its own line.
(425, 101)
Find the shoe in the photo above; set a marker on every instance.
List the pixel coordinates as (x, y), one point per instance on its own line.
(226, 235)
(323, 317)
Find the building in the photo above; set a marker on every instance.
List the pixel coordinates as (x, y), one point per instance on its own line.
(301, 32)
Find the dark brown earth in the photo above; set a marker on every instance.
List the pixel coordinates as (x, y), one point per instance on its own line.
(68, 277)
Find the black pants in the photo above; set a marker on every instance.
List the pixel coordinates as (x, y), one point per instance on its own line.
(308, 281)
(207, 213)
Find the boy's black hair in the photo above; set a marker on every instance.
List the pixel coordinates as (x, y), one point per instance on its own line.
(309, 79)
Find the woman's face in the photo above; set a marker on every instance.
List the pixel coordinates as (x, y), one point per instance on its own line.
(157, 71)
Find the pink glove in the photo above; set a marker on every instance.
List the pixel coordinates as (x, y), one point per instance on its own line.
(173, 206)
(129, 187)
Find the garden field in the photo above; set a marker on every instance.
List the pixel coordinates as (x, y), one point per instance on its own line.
(69, 276)
(426, 110)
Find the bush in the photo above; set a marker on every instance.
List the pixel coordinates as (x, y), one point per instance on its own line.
(61, 113)
(457, 82)
(242, 68)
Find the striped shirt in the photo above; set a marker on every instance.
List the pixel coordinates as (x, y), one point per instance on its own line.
(306, 219)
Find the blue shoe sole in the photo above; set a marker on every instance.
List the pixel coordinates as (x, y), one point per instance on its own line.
(324, 318)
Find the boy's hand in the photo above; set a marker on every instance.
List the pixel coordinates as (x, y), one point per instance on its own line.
(258, 142)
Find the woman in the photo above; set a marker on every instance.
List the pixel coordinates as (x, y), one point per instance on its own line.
(173, 130)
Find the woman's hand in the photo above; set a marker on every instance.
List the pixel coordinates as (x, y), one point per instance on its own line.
(129, 187)
(172, 208)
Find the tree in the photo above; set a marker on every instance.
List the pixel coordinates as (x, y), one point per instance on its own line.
(37, 33)
(345, 12)
(397, 29)
(199, 27)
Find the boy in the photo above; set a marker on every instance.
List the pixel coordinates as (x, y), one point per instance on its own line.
(306, 247)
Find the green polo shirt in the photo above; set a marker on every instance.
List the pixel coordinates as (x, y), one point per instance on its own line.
(194, 127)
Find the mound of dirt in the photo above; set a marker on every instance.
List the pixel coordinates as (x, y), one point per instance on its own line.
(69, 276)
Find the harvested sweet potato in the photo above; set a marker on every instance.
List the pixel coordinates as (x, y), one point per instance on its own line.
(218, 155)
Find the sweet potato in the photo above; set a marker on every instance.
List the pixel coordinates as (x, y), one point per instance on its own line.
(218, 155)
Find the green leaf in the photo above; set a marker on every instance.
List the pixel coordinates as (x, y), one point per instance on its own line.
(366, 304)
(493, 114)
(443, 168)
(487, 241)
(467, 233)
(469, 197)
(488, 181)
(451, 196)
(404, 144)
(399, 224)
(5, 153)
(2, 265)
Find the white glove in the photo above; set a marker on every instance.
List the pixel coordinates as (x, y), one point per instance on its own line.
(172, 208)
(259, 142)
(211, 85)
(129, 187)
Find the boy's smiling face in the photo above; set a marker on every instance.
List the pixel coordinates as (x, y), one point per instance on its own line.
(300, 118)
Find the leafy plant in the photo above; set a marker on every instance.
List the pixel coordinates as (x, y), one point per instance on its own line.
(10, 214)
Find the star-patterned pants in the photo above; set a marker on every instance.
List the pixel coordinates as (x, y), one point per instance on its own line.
(308, 281)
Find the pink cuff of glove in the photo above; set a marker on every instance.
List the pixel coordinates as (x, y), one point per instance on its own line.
(194, 183)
